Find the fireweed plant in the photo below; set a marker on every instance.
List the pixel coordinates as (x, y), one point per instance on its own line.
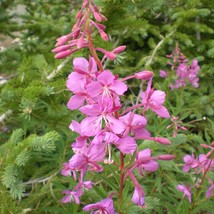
(200, 166)
(181, 71)
(108, 126)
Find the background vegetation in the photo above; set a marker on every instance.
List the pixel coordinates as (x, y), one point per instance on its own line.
(34, 135)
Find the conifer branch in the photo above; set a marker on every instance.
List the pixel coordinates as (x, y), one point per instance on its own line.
(157, 47)
(59, 68)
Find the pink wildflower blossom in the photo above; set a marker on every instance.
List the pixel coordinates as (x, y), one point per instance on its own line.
(210, 190)
(103, 207)
(71, 196)
(190, 161)
(96, 113)
(106, 84)
(154, 100)
(144, 161)
(138, 197)
(135, 124)
(186, 190)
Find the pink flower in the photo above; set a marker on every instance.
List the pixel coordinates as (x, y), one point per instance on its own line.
(71, 196)
(210, 190)
(154, 100)
(87, 160)
(138, 197)
(98, 113)
(103, 207)
(106, 85)
(135, 124)
(126, 145)
(144, 161)
(186, 190)
(205, 163)
(190, 161)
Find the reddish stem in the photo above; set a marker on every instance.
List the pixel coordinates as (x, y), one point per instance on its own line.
(121, 178)
(199, 188)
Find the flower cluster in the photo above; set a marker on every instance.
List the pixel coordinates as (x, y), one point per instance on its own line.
(184, 73)
(107, 126)
(97, 96)
(199, 165)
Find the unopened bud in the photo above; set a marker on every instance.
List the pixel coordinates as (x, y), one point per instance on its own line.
(79, 15)
(103, 35)
(63, 54)
(144, 75)
(205, 146)
(119, 49)
(62, 40)
(162, 140)
(97, 17)
(61, 48)
(166, 157)
(110, 55)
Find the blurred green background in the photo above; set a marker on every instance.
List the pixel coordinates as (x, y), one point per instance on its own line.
(34, 135)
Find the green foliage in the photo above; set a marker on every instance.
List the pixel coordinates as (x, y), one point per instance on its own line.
(34, 134)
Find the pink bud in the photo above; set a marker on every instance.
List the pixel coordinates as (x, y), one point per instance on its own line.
(61, 48)
(163, 74)
(119, 49)
(103, 17)
(144, 75)
(162, 140)
(166, 157)
(103, 35)
(97, 17)
(110, 55)
(79, 15)
(63, 54)
(212, 144)
(80, 42)
(62, 40)
(205, 146)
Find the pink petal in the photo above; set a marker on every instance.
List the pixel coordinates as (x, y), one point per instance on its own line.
(75, 102)
(141, 133)
(126, 145)
(118, 86)
(158, 97)
(94, 89)
(115, 125)
(96, 152)
(81, 65)
(91, 126)
(161, 111)
(91, 110)
(106, 77)
(72, 81)
(144, 154)
(151, 166)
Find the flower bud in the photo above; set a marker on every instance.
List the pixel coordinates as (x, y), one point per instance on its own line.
(110, 55)
(97, 17)
(63, 54)
(162, 140)
(166, 157)
(119, 49)
(62, 40)
(103, 35)
(61, 48)
(144, 75)
(163, 74)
